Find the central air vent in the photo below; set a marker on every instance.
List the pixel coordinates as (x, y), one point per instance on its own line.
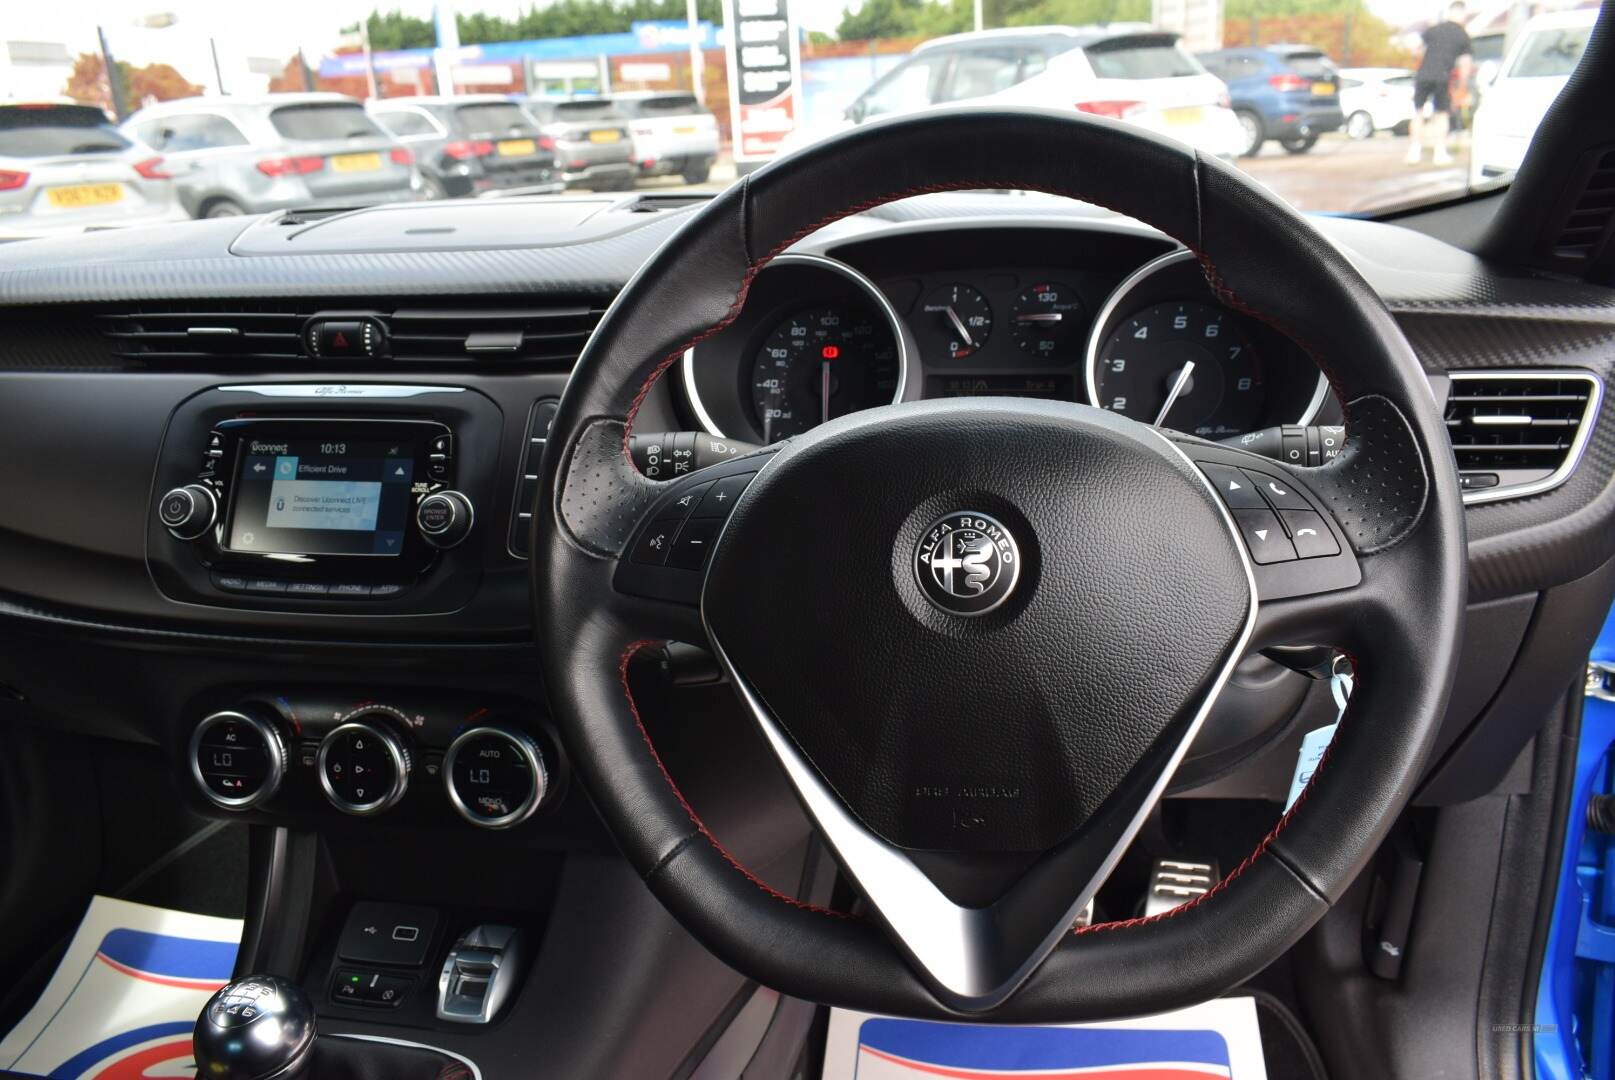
(1519, 433)
(285, 339)
(514, 336)
(181, 337)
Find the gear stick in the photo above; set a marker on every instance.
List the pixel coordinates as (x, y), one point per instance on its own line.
(257, 1028)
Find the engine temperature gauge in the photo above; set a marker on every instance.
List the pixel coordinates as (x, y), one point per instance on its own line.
(1047, 317)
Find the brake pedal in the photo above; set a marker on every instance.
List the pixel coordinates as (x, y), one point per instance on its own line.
(1174, 882)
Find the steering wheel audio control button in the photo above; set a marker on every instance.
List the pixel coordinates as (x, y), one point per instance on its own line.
(656, 541)
(695, 542)
(1310, 534)
(1237, 488)
(1264, 537)
(1280, 493)
(723, 496)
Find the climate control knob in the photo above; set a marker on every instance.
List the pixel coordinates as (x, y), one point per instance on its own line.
(188, 511)
(364, 767)
(496, 776)
(238, 758)
(444, 518)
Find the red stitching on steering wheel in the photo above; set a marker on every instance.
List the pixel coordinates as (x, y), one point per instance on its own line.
(622, 673)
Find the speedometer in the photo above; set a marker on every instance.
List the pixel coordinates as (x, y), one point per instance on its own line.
(1186, 366)
(818, 364)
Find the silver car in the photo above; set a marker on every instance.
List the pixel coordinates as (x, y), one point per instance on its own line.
(250, 154)
(592, 141)
(64, 168)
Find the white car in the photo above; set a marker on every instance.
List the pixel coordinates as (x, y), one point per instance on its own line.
(1376, 99)
(1127, 71)
(673, 133)
(1533, 73)
(65, 169)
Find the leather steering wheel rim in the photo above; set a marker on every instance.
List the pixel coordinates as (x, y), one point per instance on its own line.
(1392, 491)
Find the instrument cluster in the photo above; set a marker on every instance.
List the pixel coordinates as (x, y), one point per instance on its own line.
(819, 339)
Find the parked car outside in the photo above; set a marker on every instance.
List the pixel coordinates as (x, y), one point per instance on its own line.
(471, 144)
(1536, 69)
(1126, 71)
(65, 168)
(673, 133)
(593, 143)
(248, 154)
(1376, 99)
(1288, 93)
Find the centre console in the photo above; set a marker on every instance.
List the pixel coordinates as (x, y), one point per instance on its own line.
(361, 499)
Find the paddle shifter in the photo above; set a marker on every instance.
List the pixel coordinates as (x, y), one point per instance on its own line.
(258, 1028)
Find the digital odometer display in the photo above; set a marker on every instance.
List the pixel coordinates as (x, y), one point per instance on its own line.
(819, 364)
(1186, 366)
(321, 496)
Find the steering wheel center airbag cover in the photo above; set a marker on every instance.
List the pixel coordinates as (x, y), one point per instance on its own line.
(994, 730)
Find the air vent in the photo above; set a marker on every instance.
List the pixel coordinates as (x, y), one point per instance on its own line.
(1588, 220)
(495, 336)
(480, 336)
(1519, 433)
(184, 337)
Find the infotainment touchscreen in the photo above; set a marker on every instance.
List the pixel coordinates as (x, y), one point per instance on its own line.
(322, 496)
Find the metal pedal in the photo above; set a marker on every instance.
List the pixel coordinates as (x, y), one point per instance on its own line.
(1176, 881)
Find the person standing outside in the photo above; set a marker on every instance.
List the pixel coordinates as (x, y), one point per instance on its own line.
(1446, 49)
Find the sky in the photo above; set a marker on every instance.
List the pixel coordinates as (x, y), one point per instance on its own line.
(245, 28)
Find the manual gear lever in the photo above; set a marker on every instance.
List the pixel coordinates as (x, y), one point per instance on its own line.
(257, 1028)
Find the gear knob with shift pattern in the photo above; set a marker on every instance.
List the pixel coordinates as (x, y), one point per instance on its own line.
(257, 1028)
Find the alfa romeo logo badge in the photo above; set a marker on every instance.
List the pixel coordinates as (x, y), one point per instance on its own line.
(967, 563)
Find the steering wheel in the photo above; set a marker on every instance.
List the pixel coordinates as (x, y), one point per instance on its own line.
(980, 634)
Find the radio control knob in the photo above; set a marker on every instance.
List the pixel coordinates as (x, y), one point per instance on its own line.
(444, 518)
(364, 767)
(238, 757)
(188, 511)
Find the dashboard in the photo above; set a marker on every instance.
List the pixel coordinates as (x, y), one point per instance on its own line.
(255, 464)
(1013, 312)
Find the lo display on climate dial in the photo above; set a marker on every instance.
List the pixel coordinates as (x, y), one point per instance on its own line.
(819, 364)
(1186, 366)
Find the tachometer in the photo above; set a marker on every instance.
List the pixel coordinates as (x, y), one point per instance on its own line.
(818, 364)
(1186, 366)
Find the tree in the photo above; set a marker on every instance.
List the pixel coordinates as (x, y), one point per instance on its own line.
(563, 18)
(87, 83)
(157, 82)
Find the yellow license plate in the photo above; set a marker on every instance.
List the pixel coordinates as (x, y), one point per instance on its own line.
(1323, 89)
(687, 129)
(355, 162)
(76, 195)
(517, 147)
(605, 135)
(1182, 117)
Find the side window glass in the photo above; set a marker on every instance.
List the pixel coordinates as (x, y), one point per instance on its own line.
(906, 87)
(980, 72)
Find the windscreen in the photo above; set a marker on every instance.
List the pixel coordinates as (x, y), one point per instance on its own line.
(1141, 58)
(311, 123)
(31, 133)
(1550, 53)
(495, 117)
